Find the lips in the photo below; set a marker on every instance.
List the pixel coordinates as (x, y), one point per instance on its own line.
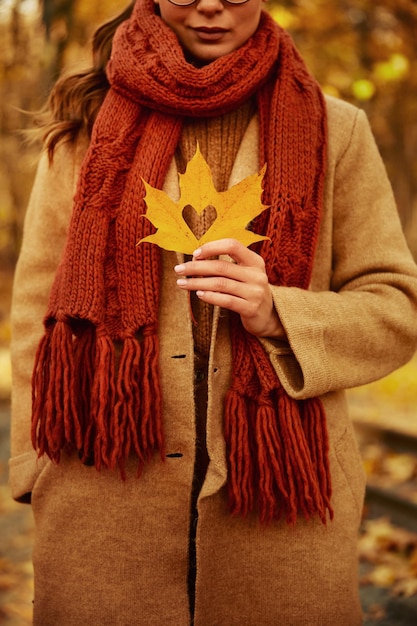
(207, 33)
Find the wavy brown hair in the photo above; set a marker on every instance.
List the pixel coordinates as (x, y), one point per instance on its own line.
(75, 99)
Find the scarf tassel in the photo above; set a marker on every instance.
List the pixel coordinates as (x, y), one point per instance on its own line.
(81, 402)
(276, 487)
(55, 423)
(268, 447)
(299, 454)
(97, 435)
(315, 430)
(152, 423)
(240, 457)
(138, 424)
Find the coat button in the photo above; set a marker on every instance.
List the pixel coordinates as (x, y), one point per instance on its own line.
(199, 375)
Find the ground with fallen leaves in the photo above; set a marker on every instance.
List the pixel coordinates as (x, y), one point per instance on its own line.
(16, 534)
(388, 554)
(392, 553)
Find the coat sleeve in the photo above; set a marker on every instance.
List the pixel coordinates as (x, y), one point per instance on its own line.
(44, 234)
(365, 324)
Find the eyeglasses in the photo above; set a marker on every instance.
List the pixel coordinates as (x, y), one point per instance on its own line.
(187, 3)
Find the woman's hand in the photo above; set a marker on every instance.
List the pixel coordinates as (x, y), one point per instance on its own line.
(241, 286)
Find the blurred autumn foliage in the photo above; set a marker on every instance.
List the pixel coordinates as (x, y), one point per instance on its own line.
(365, 51)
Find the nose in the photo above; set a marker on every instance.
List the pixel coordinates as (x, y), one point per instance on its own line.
(210, 6)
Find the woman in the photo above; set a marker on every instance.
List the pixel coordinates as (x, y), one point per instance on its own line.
(252, 516)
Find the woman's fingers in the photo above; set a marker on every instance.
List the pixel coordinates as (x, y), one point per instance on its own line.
(239, 284)
(237, 252)
(216, 267)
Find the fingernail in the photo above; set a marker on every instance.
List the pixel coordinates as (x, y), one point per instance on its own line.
(197, 253)
(181, 282)
(199, 294)
(179, 268)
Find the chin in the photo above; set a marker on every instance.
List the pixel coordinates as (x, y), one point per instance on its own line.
(202, 57)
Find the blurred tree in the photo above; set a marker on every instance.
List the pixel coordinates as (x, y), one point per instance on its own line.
(57, 17)
(20, 89)
(38, 40)
(69, 25)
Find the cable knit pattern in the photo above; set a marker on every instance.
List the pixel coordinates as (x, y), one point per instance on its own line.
(106, 291)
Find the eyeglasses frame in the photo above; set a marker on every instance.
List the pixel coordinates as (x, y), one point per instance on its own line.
(191, 2)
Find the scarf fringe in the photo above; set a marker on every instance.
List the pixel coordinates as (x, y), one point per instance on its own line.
(82, 402)
(274, 478)
(55, 422)
(152, 423)
(138, 425)
(315, 429)
(240, 458)
(102, 403)
(267, 443)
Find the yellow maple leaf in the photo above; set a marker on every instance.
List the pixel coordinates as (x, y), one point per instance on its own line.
(235, 208)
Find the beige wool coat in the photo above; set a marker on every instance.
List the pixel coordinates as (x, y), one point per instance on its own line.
(113, 553)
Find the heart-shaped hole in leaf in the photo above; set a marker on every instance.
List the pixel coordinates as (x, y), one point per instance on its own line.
(199, 223)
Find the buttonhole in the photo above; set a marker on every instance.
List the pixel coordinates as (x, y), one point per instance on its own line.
(174, 455)
(178, 356)
(216, 369)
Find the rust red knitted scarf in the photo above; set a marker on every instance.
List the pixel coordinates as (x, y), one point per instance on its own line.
(96, 385)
